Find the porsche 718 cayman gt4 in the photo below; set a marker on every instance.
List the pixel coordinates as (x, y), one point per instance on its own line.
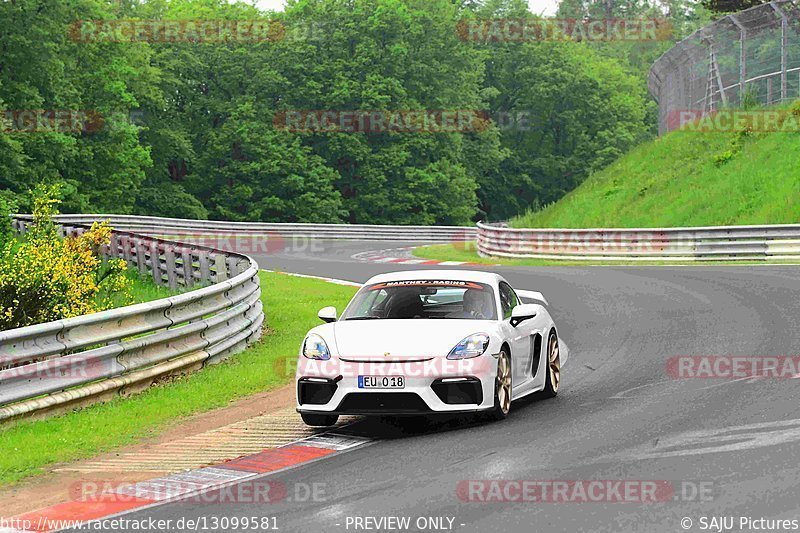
(429, 341)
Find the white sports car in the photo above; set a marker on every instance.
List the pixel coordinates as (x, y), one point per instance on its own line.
(429, 341)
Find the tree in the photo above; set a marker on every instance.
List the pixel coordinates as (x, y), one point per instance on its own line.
(390, 56)
(564, 111)
(193, 129)
(102, 163)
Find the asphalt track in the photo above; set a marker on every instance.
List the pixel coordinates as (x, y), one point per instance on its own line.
(618, 416)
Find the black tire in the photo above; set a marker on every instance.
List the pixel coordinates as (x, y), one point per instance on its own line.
(502, 387)
(553, 379)
(319, 420)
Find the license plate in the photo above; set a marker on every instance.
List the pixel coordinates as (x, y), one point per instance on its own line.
(381, 382)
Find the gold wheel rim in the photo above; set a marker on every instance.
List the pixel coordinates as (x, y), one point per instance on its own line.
(555, 363)
(504, 383)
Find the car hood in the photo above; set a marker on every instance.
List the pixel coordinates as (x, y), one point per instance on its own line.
(364, 340)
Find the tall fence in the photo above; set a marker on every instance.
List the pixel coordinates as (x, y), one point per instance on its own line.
(76, 361)
(751, 55)
(724, 243)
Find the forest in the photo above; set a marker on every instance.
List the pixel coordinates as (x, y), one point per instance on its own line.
(201, 109)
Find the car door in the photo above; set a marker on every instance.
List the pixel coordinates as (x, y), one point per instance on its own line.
(518, 337)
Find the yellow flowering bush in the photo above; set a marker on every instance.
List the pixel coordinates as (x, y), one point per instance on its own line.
(45, 277)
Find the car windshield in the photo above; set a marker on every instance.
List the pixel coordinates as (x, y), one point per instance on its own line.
(412, 299)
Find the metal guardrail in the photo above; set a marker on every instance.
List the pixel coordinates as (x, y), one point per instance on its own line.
(76, 361)
(183, 230)
(723, 243)
(58, 365)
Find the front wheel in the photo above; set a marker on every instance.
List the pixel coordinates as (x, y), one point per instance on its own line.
(502, 387)
(553, 379)
(319, 420)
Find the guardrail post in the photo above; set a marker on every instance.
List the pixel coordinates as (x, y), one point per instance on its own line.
(233, 267)
(155, 262)
(125, 242)
(110, 250)
(221, 267)
(141, 257)
(188, 267)
(169, 258)
(205, 267)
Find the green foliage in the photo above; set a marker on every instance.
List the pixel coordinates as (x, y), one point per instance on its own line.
(8, 206)
(735, 148)
(42, 68)
(581, 111)
(720, 7)
(750, 100)
(46, 278)
(672, 181)
(170, 200)
(722, 158)
(187, 128)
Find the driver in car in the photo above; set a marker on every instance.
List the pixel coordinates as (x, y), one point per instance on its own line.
(477, 305)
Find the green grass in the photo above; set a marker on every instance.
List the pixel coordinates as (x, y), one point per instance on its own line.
(145, 290)
(675, 181)
(467, 251)
(291, 305)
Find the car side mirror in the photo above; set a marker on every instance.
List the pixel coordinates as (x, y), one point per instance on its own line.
(327, 314)
(524, 312)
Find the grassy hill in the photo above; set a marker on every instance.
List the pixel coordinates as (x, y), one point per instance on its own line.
(682, 179)
(687, 179)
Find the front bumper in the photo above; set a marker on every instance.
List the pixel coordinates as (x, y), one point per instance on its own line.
(463, 388)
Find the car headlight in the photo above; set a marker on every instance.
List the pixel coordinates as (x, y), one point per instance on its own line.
(472, 346)
(314, 347)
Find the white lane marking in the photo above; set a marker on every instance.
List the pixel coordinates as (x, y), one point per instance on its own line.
(159, 489)
(750, 379)
(729, 439)
(453, 263)
(381, 256)
(172, 486)
(333, 441)
(622, 395)
(329, 280)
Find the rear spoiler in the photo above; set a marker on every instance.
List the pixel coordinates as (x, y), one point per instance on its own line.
(532, 295)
